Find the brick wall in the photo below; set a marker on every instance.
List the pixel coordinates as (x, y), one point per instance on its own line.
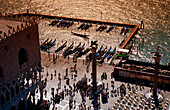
(10, 47)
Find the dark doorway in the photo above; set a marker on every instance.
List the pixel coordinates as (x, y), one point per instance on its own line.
(22, 56)
(1, 72)
(2, 99)
(13, 108)
(21, 105)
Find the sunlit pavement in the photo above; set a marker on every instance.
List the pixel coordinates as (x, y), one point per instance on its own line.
(60, 67)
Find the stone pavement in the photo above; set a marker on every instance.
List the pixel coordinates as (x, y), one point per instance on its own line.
(60, 67)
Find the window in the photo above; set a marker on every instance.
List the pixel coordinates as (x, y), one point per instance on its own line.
(6, 48)
(17, 88)
(12, 92)
(1, 72)
(7, 96)
(2, 99)
(28, 36)
(22, 56)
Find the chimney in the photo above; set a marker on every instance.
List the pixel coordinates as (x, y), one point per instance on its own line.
(16, 17)
(5, 35)
(9, 32)
(21, 18)
(27, 11)
(18, 28)
(22, 27)
(13, 31)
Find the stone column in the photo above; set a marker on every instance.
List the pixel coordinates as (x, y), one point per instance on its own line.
(16, 106)
(32, 78)
(41, 90)
(33, 94)
(94, 76)
(157, 57)
(155, 85)
(25, 102)
(0, 97)
(35, 76)
(27, 78)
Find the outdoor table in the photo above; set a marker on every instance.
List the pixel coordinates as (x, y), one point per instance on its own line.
(121, 104)
(142, 94)
(129, 103)
(132, 107)
(125, 108)
(167, 102)
(123, 101)
(152, 98)
(152, 101)
(137, 99)
(166, 105)
(114, 106)
(125, 97)
(119, 107)
(153, 105)
(146, 107)
(130, 100)
(137, 108)
(135, 104)
(135, 95)
(142, 100)
(140, 105)
(141, 97)
(131, 97)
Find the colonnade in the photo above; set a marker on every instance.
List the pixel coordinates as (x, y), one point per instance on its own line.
(14, 93)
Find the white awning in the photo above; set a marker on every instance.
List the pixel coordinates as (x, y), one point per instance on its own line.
(123, 50)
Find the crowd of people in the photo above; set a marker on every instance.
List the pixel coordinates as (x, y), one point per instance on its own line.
(69, 86)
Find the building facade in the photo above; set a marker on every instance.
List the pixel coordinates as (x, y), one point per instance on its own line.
(20, 63)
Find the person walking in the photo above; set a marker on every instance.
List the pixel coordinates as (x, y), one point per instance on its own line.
(45, 93)
(54, 72)
(54, 59)
(51, 76)
(49, 55)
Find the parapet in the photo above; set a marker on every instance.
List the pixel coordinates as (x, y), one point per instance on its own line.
(11, 25)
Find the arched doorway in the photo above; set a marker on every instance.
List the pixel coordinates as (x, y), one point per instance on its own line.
(2, 99)
(12, 108)
(22, 56)
(7, 96)
(12, 92)
(21, 105)
(1, 72)
(17, 89)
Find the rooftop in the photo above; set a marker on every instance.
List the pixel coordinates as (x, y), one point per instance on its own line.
(6, 25)
(10, 25)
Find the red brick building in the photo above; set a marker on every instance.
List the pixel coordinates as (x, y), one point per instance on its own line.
(20, 62)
